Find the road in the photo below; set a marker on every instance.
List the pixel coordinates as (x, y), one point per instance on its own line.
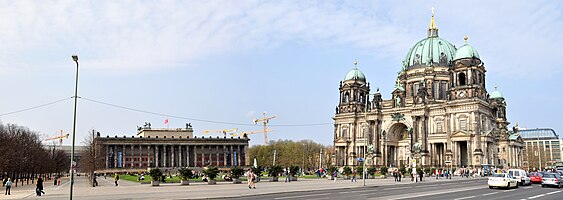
(468, 189)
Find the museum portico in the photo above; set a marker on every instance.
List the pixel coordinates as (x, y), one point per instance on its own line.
(169, 149)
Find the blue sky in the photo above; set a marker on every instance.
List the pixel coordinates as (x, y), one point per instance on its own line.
(229, 61)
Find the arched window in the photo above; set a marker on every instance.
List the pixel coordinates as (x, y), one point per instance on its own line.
(346, 97)
(462, 80)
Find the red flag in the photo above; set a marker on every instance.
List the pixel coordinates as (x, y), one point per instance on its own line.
(166, 121)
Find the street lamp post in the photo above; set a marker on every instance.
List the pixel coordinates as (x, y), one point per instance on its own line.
(75, 58)
(303, 164)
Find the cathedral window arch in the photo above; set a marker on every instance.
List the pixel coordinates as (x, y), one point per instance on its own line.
(462, 79)
(463, 124)
(344, 132)
(346, 97)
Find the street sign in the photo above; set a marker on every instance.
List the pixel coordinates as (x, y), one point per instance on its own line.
(360, 159)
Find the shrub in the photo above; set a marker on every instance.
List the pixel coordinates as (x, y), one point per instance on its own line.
(359, 169)
(346, 170)
(211, 172)
(293, 170)
(332, 169)
(403, 169)
(371, 170)
(155, 174)
(427, 170)
(384, 170)
(257, 170)
(185, 173)
(236, 172)
(274, 171)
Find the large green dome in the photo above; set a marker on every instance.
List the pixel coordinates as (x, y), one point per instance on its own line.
(355, 74)
(431, 50)
(466, 51)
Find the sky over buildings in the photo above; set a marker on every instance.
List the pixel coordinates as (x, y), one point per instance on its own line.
(228, 61)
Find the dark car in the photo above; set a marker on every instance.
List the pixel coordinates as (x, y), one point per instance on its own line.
(552, 179)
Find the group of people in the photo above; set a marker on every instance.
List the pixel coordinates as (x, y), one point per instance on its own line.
(7, 183)
(397, 174)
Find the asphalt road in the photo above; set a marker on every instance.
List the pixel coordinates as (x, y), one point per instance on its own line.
(458, 190)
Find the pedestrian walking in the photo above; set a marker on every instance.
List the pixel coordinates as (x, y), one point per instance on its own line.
(116, 179)
(94, 181)
(412, 176)
(421, 175)
(8, 186)
(395, 176)
(251, 179)
(39, 187)
(400, 175)
(354, 176)
(287, 175)
(334, 174)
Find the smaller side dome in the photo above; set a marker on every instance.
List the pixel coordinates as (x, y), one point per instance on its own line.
(466, 51)
(355, 74)
(495, 94)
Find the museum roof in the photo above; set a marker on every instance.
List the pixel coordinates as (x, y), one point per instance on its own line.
(538, 133)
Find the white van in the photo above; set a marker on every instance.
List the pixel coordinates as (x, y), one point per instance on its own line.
(521, 176)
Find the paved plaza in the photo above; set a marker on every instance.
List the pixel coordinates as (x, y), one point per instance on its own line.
(302, 189)
(198, 190)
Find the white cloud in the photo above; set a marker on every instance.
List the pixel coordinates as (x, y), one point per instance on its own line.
(122, 35)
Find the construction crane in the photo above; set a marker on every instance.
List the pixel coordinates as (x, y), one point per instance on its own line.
(246, 133)
(224, 131)
(60, 137)
(264, 121)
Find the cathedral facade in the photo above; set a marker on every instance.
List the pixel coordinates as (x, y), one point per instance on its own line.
(439, 115)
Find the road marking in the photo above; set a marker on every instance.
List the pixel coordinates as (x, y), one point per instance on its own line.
(432, 193)
(423, 186)
(469, 197)
(553, 192)
(300, 196)
(344, 192)
(537, 196)
(490, 193)
(396, 188)
(509, 190)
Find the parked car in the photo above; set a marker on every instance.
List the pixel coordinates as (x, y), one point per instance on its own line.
(520, 175)
(535, 177)
(504, 180)
(552, 179)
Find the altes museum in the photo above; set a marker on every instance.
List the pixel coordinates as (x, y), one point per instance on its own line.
(440, 113)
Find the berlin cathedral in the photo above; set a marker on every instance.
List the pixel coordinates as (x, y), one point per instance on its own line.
(440, 114)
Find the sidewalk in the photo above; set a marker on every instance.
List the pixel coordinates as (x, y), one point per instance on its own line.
(133, 190)
(23, 191)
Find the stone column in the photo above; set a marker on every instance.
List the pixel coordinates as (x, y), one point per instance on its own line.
(140, 156)
(132, 156)
(115, 156)
(195, 156)
(187, 155)
(123, 157)
(149, 156)
(202, 155)
(180, 156)
(173, 156)
(424, 134)
(224, 155)
(238, 155)
(217, 154)
(107, 156)
(157, 156)
(232, 155)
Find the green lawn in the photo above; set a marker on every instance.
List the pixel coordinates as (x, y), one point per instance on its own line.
(174, 179)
